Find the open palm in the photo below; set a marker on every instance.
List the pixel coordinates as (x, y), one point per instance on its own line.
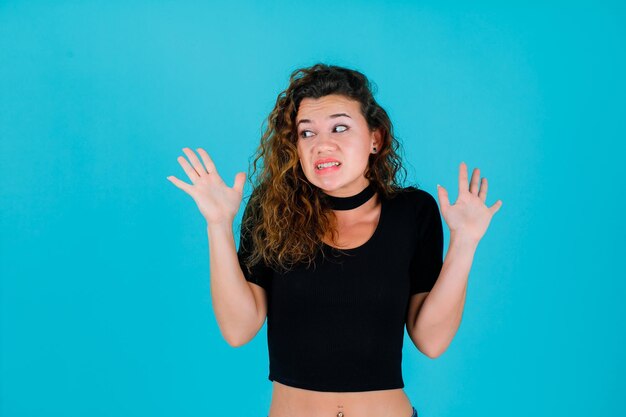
(217, 202)
(469, 216)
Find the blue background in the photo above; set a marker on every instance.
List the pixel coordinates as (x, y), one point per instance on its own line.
(106, 308)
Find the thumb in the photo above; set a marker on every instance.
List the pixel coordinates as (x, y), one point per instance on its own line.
(443, 197)
(240, 180)
(180, 184)
(494, 209)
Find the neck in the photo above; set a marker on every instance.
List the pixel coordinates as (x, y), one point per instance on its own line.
(351, 202)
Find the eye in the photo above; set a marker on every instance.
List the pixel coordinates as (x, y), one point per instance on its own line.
(342, 128)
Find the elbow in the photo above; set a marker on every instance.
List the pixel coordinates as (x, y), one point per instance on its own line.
(243, 335)
(432, 355)
(239, 335)
(234, 338)
(242, 338)
(237, 342)
(433, 352)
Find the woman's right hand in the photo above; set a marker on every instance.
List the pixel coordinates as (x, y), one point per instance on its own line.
(217, 202)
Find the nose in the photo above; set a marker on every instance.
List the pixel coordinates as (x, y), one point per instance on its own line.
(324, 143)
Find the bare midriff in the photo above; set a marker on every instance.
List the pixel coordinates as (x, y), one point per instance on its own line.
(289, 401)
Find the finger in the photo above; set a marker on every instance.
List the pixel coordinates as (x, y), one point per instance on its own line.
(189, 170)
(443, 197)
(462, 178)
(197, 165)
(208, 162)
(180, 184)
(474, 181)
(494, 209)
(240, 180)
(483, 190)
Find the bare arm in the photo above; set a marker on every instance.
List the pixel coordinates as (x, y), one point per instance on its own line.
(234, 300)
(440, 315)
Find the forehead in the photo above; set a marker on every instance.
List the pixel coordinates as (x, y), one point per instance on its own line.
(314, 108)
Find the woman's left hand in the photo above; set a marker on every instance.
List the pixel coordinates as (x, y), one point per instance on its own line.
(469, 216)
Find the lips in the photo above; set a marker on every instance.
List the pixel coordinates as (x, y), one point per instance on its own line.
(325, 161)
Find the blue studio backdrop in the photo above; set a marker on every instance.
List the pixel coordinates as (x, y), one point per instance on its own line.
(105, 288)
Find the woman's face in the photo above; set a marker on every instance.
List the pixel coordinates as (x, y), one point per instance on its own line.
(333, 132)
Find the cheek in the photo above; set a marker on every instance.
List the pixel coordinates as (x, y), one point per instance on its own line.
(361, 148)
(301, 155)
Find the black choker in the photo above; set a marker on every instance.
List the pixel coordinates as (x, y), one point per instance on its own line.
(352, 202)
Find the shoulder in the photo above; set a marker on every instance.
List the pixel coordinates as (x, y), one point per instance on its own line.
(415, 197)
(410, 206)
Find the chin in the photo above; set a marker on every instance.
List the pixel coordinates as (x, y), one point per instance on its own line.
(329, 183)
(328, 186)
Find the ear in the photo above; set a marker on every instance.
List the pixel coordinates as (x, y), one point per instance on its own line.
(377, 139)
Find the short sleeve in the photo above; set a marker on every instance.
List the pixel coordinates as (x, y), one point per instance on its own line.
(427, 259)
(259, 273)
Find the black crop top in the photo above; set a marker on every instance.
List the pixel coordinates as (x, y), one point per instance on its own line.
(339, 325)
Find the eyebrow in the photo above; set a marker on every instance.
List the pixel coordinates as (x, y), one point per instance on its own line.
(332, 116)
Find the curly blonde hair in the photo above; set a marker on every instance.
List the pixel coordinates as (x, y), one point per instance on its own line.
(286, 216)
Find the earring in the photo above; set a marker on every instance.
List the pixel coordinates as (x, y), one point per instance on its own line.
(374, 149)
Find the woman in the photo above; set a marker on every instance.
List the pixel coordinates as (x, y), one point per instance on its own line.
(334, 252)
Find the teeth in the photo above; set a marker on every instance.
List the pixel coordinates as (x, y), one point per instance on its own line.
(327, 164)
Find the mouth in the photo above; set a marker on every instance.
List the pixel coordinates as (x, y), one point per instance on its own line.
(321, 165)
(327, 165)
